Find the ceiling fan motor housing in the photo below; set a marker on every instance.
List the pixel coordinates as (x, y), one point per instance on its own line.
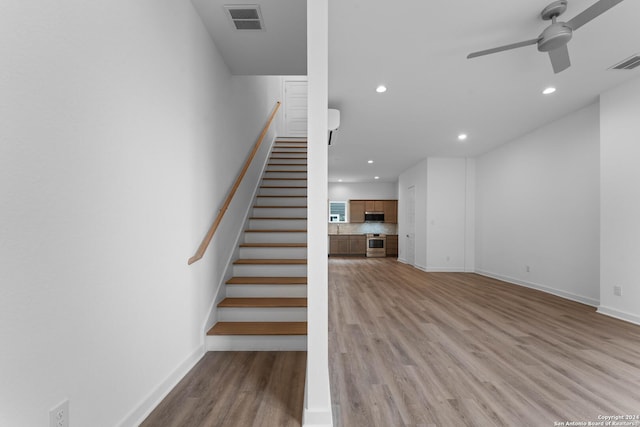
(554, 36)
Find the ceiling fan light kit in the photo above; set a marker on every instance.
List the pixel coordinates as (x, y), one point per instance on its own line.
(555, 37)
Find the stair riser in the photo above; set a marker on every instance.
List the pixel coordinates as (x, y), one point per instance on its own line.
(285, 175)
(266, 291)
(253, 270)
(254, 314)
(275, 237)
(272, 167)
(280, 224)
(284, 182)
(256, 343)
(290, 144)
(281, 201)
(290, 153)
(273, 253)
(280, 212)
(283, 191)
(281, 158)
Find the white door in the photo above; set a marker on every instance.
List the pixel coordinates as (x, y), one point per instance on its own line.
(410, 237)
(295, 108)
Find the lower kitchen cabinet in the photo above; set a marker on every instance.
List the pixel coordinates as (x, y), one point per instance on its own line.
(392, 245)
(348, 244)
(339, 245)
(357, 244)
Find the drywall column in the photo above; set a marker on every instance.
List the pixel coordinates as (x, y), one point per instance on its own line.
(620, 202)
(317, 406)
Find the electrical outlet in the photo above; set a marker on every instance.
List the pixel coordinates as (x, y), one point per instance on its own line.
(617, 290)
(59, 416)
(527, 268)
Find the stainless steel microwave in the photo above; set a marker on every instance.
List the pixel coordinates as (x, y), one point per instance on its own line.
(374, 217)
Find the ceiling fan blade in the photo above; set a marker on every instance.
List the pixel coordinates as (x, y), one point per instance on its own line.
(591, 12)
(560, 59)
(501, 48)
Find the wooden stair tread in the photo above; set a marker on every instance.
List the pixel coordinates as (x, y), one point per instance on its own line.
(280, 207)
(263, 302)
(298, 218)
(283, 186)
(284, 179)
(275, 231)
(271, 280)
(273, 245)
(285, 196)
(287, 164)
(282, 171)
(259, 328)
(260, 261)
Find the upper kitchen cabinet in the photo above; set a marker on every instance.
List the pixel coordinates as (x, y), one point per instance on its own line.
(356, 210)
(390, 209)
(373, 205)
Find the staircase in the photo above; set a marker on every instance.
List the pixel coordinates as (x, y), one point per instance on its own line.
(266, 306)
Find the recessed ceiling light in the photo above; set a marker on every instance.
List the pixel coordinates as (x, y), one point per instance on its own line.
(549, 90)
(462, 136)
(381, 89)
(340, 180)
(376, 177)
(369, 161)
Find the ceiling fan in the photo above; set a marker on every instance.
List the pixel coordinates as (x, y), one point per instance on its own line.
(555, 37)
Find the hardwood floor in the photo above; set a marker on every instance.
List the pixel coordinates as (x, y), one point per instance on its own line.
(237, 389)
(409, 348)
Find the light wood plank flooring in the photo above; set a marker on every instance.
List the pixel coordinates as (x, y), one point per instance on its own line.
(237, 389)
(409, 348)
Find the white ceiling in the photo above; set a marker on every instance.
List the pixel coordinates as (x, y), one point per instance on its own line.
(418, 50)
(281, 49)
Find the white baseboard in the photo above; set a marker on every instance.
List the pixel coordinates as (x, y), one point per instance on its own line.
(620, 315)
(317, 418)
(444, 270)
(148, 404)
(557, 292)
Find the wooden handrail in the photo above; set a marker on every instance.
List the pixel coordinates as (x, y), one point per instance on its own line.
(207, 239)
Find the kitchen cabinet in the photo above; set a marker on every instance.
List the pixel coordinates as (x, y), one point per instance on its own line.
(392, 245)
(356, 210)
(339, 245)
(358, 244)
(348, 244)
(390, 209)
(374, 205)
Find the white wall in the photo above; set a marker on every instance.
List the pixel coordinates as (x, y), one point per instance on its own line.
(537, 205)
(416, 177)
(344, 191)
(448, 232)
(118, 143)
(444, 216)
(317, 402)
(620, 205)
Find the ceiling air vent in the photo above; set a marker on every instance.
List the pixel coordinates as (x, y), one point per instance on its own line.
(628, 64)
(245, 17)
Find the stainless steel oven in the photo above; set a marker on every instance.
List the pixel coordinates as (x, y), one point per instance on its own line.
(376, 245)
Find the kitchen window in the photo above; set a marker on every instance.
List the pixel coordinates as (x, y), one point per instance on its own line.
(337, 211)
